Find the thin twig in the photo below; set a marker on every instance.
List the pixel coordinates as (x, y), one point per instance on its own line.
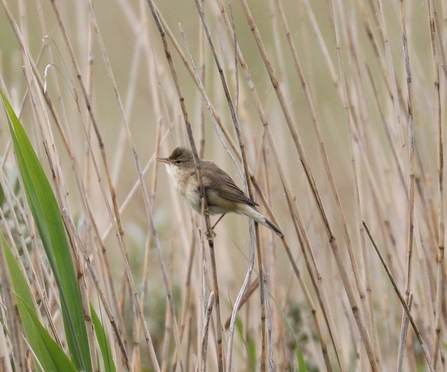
(401, 298)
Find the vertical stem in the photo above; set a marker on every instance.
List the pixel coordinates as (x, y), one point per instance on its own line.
(246, 178)
(410, 205)
(410, 131)
(209, 232)
(440, 254)
(356, 311)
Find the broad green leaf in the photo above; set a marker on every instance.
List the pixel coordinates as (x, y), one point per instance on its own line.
(48, 353)
(49, 222)
(18, 280)
(109, 364)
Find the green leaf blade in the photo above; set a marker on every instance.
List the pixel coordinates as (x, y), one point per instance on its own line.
(47, 352)
(46, 213)
(109, 364)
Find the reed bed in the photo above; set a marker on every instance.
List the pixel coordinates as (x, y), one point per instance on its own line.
(330, 114)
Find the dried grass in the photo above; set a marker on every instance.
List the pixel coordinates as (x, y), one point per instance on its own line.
(331, 114)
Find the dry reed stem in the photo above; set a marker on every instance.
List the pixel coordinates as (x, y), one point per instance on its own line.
(148, 208)
(371, 175)
(375, 44)
(71, 228)
(54, 115)
(168, 330)
(395, 96)
(215, 116)
(149, 211)
(314, 274)
(202, 77)
(111, 188)
(349, 95)
(403, 336)
(404, 302)
(206, 99)
(323, 151)
(440, 271)
(236, 306)
(137, 185)
(278, 164)
(95, 126)
(62, 197)
(194, 75)
(12, 317)
(251, 259)
(338, 11)
(244, 298)
(209, 231)
(246, 180)
(204, 344)
(14, 322)
(145, 279)
(304, 243)
(34, 273)
(411, 170)
(373, 357)
(315, 122)
(186, 300)
(89, 89)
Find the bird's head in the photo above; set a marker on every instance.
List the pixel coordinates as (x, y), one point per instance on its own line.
(181, 157)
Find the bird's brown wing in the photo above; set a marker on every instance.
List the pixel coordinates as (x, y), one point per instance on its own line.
(223, 185)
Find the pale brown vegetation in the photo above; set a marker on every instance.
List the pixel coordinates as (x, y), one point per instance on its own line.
(331, 114)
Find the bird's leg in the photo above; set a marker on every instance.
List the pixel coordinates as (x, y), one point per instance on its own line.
(213, 234)
(221, 216)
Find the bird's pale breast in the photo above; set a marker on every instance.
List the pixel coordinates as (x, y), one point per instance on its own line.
(186, 185)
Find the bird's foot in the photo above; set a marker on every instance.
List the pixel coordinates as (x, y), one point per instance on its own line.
(210, 235)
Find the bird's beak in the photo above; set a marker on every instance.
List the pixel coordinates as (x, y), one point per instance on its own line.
(164, 160)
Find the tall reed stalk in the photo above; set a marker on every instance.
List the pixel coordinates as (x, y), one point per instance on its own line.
(330, 114)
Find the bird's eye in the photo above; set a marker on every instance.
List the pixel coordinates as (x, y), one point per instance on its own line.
(177, 162)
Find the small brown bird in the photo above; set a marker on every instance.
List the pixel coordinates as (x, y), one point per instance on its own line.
(222, 194)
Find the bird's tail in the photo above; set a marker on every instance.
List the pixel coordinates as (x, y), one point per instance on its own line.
(258, 217)
(270, 224)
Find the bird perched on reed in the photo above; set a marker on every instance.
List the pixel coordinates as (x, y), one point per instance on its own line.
(222, 194)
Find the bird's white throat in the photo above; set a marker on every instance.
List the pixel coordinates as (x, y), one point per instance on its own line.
(182, 181)
(173, 171)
